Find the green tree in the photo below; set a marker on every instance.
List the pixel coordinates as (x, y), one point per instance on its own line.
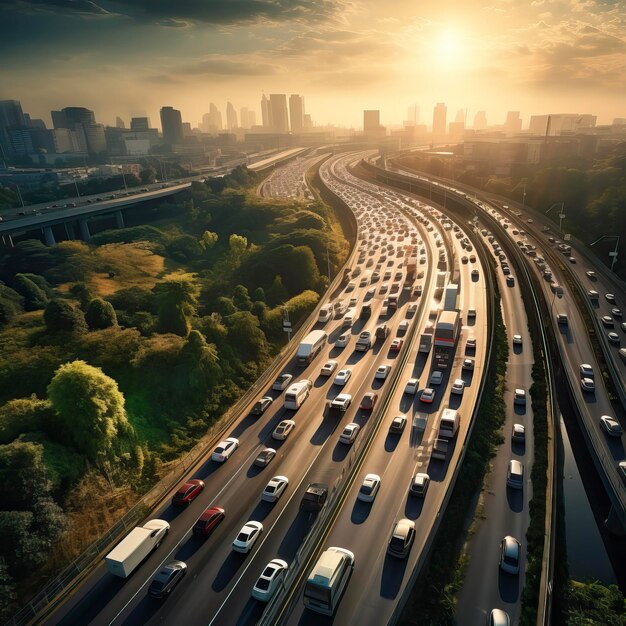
(177, 301)
(208, 240)
(214, 329)
(184, 248)
(61, 315)
(23, 415)
(147, 175)
(241, 298)
(34, 297)
(202, 362)
(259, 295)
(83, 294)
(237, 246)
(100, 314)
(8, 594)
(276, 293)
(246, 337)
(90, 409)
(22, 475)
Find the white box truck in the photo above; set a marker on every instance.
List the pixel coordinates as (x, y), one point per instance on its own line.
(135, 547)
(448, 424)
(310, 347)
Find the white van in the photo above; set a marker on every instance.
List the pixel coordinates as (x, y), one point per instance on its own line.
(297, 393)
(348, 318)
(515, 474)
(326, 313)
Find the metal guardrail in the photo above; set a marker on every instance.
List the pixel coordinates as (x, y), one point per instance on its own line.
(64, 583)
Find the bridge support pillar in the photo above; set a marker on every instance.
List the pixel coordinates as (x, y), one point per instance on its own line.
(119, 219)
(84, 230)
(48, 236)
(614, 524)
(7, 241)
(69, 230)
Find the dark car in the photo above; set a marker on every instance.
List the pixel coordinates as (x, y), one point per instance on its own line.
(314, 497)
(208, 521)
(264, 457)
(188, 492)
(260, 406)
(167, 578)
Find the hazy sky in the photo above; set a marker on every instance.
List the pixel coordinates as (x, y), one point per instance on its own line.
(131, 57)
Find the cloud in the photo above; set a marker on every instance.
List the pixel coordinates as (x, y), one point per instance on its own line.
(78, 7)
(219, 65)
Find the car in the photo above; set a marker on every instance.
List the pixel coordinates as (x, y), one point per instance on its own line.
(397, 425)
(475, 273)
(343, 340)
(623, 326)
(498, 617)
(411, 386)
(515, 475)
(188, 492)
(342, 377)
(402, 538)
(591, 274)
(167, 578)
(587, 384)
(342, 402)
(282, 382)
(369, 401)
(517, 340)
(470, 344)
(472, 258)
(260, 406)
(427, 395)
(613, 338)
(419, 485)
(471, 313)
(396, 344)
(382, 372)
(592, 294)
(269, 580)
(247, 536)
(561, 318)
(610, 298)
(458, 386)
(412, 309)
(518, 433)
(464, 260)
(616, 313)
(611, 426)
(468, 365)
(607, 321)
(403, 326)
(349, 433)
(328, 368)
(621, 468)
(369, 488)
(224, 449)
(519, 397)
(275, 488)
(265, 457)
(282, 431)
(586, 371)
(208, 521)
(510, 551)
(436, 378)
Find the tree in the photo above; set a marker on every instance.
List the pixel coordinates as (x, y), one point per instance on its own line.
(241, 298)
(246, 337)
(208, 240)
(34, 297)
(276, 293)
(177, 300)
(83, 294)
(259, 295)
(214, 329)
(61, 315)
(22, 475)
(147, 176)
(100, 314)
(237, 246)
(23, 415)
(201, 360)
(90, 409)
(185, 248)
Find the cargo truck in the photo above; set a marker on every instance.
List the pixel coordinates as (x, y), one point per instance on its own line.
(135, 547)
(310, 347)
(450, 296)
(448, 424)
(426, 338)
(447, 332)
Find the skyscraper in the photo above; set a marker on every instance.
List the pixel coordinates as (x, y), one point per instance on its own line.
(266, 113)
(83, 122)
(296, 113)
(11, 116)
(439, 122)
(413, 115)
(513, 123)
(231, 116)
(140, 123)
(371, 121)
(280, 115)
(215, 118)
(480, 120)
(172, 125)
(119, 122)
(460, 116)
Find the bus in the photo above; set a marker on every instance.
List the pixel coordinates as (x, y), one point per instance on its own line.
(328, 580)
(297, 393)
(310, 347)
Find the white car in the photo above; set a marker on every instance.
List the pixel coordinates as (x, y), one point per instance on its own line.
(435, 378)
(468, 365)
(517, 340)
(587, 384)
(328, 368)
(611, 426)
(411, 386)
(224, 449)
(613, 338)
(412, 309)
(591, 274)
(471, 313)
(343, 340)
(382, 372)
(518, 433)
(281, 432)
(342, 377)
(510, 551)
(458, 387)
(403, 326)
(616, 312)
(369, 488)
(275, 488)
(428, 395)
(519, 397)
(586, 371)
(247, 536)
(471, 343)
(342, 402)
(282, 382)
(349, 433)
(269, 580)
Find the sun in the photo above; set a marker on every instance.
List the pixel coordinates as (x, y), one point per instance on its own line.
(448, 48)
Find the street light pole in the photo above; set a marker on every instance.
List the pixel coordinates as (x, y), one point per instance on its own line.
(613, 254)
(561, 213)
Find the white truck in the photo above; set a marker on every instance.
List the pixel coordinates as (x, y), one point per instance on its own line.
(426, 338)
(326, 312)
(135, 547)
(310, 347)
(448, 424)
(450, 296)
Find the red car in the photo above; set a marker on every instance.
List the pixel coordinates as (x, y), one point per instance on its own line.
(396, 344)
(368, 401)
(188, 492)
(208, 521)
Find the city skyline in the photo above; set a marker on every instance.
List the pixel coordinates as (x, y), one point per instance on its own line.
(498, 57)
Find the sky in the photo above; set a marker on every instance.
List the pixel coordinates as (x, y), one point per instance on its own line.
(131, 57)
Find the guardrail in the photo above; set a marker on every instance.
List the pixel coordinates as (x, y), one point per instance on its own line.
(58, 589)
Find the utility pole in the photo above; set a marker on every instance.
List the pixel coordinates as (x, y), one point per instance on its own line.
(612, 254)
(287, 324)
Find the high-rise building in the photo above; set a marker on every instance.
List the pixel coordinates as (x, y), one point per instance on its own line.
(296, 113)
(119, 122)
(456, 131)
(95, 138)
(215, 119)
(280, 115)
(140, 123)
(244, 119)
(413, 115)
(439, 122)
(251, 119)
(69, 117)
(11, 116)
(266, 113)
(371, 121)
(480, 120)
(83, 122)
(187, 132)
(460, 116)
(308, 122)
(172, 125)
(513, 123)
(231, 116)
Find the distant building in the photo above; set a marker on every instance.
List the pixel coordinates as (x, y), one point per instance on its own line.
(456, 131)
(439, 122)
(619, 121)
(460, 116)
(296, 113)
(172, 126)
(266, 113)
(214, 119)
(413, 115)
(308, 122)
(371, 121)
(119, 122)
(187, 132)
(280, 115)
(480, 120)
(513, 123)
(83, 122)
(231, 116)
(555, 124)
(140, 123)
(11, 116)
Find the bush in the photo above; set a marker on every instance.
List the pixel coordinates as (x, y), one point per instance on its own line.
(100, 314)
(34, 297)
(22, 416)
(61, 315)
